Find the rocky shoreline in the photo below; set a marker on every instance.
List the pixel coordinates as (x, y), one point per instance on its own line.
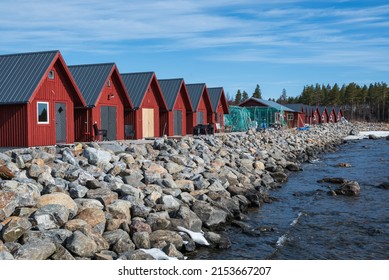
(118, 200)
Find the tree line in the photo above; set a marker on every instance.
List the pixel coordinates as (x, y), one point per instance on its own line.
(359, 102)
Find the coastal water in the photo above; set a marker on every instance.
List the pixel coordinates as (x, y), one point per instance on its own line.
(307, 223)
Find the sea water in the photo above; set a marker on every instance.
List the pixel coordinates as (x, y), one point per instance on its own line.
(305, 222)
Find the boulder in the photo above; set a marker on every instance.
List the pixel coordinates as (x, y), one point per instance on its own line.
(61, 254)
(104, 195)
(93, 217)
(51, 216)
(141, 239)
(95, 156)
(6, 173)
(8, 202)
(35, 250)
(61, 199)
(27, 193)
(349, 188)
(81, 245)
(14, 228)
(209, 215)
(160, 238)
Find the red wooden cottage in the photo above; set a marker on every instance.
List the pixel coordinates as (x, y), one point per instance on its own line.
(180, 115)
(201, 103)
(323, 114)
(149, 118)
(332, 115)
(338, 113)
(219, 104)
(37, 100)
(298, 114)
(106, 99)
(314, 115)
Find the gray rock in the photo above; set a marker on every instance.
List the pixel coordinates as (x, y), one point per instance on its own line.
(15, 228)
(140, 211)
(104, 195)
(4, 255)
(8, 202)
(84, 203)
(67, 156)
(170, 203)
(135, 255)
(95, 156)
(140, 226)
(51, 216)
(141, 239)
(218, 240)
(120, 209)
(27, 193)
(160, 238)
(279, 177)
(209, 215)
(57, 236)
(81, 245)
(61, 253)
(77, 191)
(35, 250)
(59, 198)
(349, 188)
(159, 220)
(114, 236)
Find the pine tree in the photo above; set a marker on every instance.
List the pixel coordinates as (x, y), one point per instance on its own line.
(257, 92)
(238, 97)
(245, 96)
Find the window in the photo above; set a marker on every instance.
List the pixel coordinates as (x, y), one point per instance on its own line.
(51, 75)
(43, 112)
(108, 83)
(290, 117)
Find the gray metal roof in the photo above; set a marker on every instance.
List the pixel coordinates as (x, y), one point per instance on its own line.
(215, 95)
(136, 85)
(297, 107)
(272, 104)
(20, 75)
(90, 79)
(170, 89)
(195, 92)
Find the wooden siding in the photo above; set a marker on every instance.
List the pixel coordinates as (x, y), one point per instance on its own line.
(182, 105)
(61, 90)
(13, 126)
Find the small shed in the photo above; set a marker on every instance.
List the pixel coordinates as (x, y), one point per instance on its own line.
(323, 114)
(332, 115)
(149, 118)
(37, 100)
(201, 103)
(180, 115)
(106, 99)
(338, 113)
(219, 104)
(313, 114)
(298, 114)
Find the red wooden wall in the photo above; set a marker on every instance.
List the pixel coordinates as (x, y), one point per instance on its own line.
(13, 128)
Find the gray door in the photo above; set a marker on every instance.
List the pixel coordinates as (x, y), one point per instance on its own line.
(177, 122)
(200, 117)
(108, 121)
(60, 122)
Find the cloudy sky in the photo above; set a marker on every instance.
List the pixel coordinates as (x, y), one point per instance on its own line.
(235, 44)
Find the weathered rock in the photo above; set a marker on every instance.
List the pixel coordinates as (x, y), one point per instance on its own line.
(61, 199)
(170, 203)
(159, 220)
(279, 177)
(120, 209)
(93, 217)
(332, 180)
(6, 173)
(8, 202)
(218, 240)
(114, 236)
(81, 245)
(77, 191)
(95, 156)
(104, 195)
(141, 239)
(84, 203)
(139, 226)
(209, 215)
(35, 250)
(140, 211)
(61, 254)
(135, 255)
(51, 216)
(14, 228)
(160, 238)
(349, 188)
(384, 186)
(172, 251)
(4, 255)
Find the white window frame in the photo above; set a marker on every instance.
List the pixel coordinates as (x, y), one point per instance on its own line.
(290, 117)
(51, 75)
(48, 114)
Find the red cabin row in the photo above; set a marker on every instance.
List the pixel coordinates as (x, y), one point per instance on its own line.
(44, 102)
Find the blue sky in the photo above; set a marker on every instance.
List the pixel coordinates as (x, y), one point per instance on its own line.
(235, 44)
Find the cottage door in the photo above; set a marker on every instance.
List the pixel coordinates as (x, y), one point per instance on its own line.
(148, 122)
(108, 121)
(60, 122)
(200, 117)
(177, 122)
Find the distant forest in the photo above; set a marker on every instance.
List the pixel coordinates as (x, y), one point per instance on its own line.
(363, 103)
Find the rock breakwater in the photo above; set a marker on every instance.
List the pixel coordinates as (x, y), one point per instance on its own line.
(110, 200)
